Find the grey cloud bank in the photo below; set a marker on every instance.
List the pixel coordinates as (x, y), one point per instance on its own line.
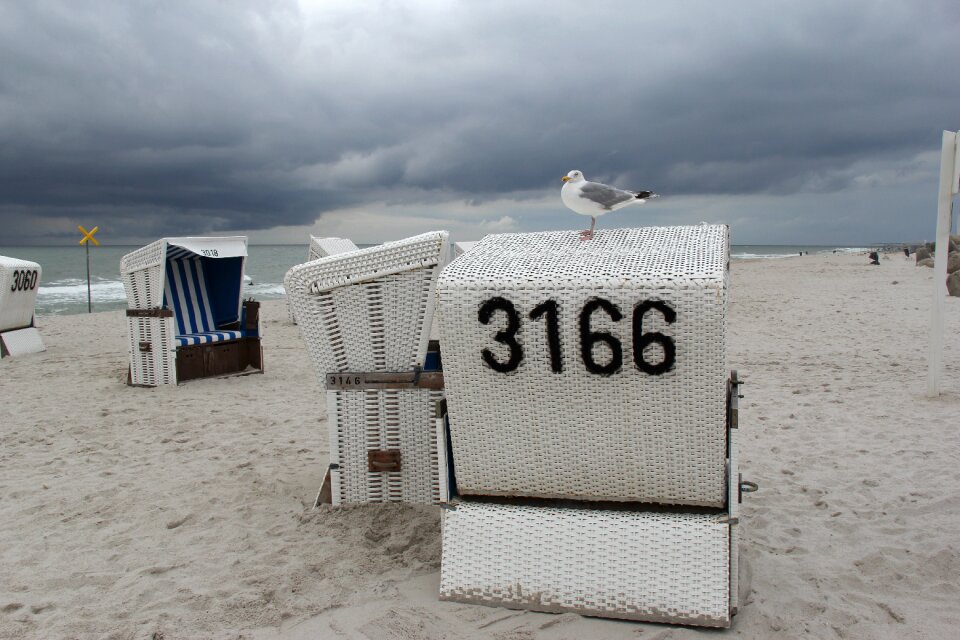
(816, 122)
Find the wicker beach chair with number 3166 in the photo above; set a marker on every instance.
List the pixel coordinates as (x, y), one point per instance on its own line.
(592, 422)
(365, 317)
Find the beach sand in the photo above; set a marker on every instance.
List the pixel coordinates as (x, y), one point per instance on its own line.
(186, 512)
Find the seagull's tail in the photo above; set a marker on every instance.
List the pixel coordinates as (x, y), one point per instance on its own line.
(645, 195)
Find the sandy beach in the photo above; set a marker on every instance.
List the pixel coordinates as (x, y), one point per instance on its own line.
(186, 512)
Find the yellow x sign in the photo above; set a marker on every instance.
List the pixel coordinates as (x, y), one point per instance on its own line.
(88, 235)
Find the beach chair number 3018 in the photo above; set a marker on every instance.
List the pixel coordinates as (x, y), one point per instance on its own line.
(549, 311)
(24, 280)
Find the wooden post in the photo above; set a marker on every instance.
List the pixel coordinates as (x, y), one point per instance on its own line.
(948, 186)
(88, 235)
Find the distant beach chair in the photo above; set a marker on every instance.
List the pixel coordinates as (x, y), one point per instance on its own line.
(365, 317)
(321, 247)
(460, 248)
(186, 317)
(19, 283)
(592, 422)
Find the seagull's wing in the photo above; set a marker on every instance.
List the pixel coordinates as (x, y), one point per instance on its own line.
(606, 197)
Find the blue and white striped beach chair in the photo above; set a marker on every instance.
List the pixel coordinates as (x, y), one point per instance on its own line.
(186, 314)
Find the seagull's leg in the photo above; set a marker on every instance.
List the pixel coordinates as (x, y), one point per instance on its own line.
(588, 235)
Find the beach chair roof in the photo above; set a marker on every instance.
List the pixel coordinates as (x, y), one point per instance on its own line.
(225, 257)
(222, 247)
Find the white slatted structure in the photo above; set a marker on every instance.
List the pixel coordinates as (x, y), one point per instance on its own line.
(371, 310)
(321, 247)
(19, 284)
(400, 420)
(565, 416)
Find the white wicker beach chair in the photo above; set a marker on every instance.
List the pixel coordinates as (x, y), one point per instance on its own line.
(321, 248)
(186, 316)
(365, 317)
(460, 248)
(19, 283)
(586, 382)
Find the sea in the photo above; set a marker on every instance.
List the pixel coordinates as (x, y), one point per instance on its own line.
(64, 287)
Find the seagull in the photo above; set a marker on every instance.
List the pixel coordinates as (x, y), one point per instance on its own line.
(594, 199)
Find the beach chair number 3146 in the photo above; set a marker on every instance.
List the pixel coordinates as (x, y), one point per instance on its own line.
(549, 311)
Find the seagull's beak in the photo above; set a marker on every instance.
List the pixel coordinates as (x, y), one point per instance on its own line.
(565, 178)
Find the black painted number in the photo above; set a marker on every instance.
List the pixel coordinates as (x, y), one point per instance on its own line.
(641, 339)
(24, 280)
(507, 336)
(589, 339)
(552, 311)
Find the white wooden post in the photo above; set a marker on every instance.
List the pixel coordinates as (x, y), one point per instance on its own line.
(948, 187)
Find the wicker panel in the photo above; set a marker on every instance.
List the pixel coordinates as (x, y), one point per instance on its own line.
(628, 435)
(158, 365)
(368, 310)
(17, 304)
(142, 274)
(20, 342)
(321, 248)
(384, 420)
(657, 566)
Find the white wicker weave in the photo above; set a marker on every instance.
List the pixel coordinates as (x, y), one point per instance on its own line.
(656, 566)
(623, 435)
(383, 420)
(321, 248)
(371, 309)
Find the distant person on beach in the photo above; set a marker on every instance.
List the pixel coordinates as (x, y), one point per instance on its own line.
(874, 257)
(906, 251)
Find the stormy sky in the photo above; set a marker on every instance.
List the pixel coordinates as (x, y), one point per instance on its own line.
(794, 122)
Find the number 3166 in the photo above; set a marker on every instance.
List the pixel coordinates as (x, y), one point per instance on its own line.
(549, 311)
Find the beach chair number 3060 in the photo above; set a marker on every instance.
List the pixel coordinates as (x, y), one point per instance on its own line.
(24, 280)
(550, 312)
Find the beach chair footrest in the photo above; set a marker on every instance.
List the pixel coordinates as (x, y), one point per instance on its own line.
(658, 566)
(218, 358)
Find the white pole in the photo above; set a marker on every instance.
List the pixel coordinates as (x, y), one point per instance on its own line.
(947, 172)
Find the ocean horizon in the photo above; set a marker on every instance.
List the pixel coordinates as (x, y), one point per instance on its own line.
(63, 283)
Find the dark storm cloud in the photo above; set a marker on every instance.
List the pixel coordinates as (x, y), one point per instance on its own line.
(175, 118)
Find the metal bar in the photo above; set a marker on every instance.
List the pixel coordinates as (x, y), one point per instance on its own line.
(149, 313)
(359, 381)
(89, 295)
